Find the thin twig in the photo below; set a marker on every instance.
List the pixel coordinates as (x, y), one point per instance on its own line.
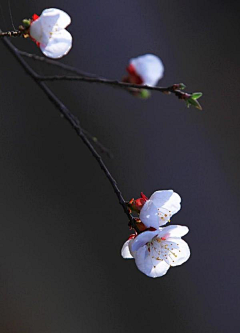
(97, 143)
(91, 137)
(124, 85)
(73, 120)
(56, 63)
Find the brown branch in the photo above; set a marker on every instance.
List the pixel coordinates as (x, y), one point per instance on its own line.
(166, 90)
(74, 122)
(56, 63)
(97, 143)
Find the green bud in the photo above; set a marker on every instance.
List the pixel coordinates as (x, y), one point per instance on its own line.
(26, 23)
(144, 94)
(182, 86)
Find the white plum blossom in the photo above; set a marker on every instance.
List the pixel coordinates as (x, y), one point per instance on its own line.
(160, 207)
(146, 69)
(156, 251)
(48, 30)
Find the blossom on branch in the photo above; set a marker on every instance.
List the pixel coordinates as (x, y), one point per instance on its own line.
(156, 251)
(145, 70)
(158, 209)
(48, 31)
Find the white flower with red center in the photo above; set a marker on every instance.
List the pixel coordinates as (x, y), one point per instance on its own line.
(147, 70)
(156, 251)
(48, 31)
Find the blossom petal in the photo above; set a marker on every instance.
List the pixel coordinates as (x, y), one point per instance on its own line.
(149, 215)
(182, 254)
(142, 239)
(173, 231)
(36, 30)
(167, 199)
(125, 250)
(53, 19)
(149, 67)
(58, 45)
(161, 197)
(149, 266)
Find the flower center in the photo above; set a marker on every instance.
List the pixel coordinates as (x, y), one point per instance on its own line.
(160, 249)
(164, 214)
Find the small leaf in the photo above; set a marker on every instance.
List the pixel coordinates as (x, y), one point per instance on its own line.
(26, 23)
(196, 95)
(193, 102)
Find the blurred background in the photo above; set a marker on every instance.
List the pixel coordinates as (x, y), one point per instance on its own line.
(62, 228)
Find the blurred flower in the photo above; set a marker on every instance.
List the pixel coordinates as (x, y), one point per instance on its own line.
(48, 31)
(146, 70)
(155, 251)
(160, 207)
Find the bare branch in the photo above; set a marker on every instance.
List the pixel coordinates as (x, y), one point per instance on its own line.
(75, 123)
(56, 63)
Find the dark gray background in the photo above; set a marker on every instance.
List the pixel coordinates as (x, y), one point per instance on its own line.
(61, 225)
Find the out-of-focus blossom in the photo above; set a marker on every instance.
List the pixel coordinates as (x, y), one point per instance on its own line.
(48, 31)
(146, 69)
(156, 251)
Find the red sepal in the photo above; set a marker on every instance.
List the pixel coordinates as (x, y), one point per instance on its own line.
(132, 236)
(131, 69)
(133, 75)
(141, 201)
(152, 229)
(34, 17)
(144, 196)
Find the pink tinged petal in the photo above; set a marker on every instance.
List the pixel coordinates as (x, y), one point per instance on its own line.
(54, 19)
(149, 266)
(58, 44)
(142, 239)
(181, 254)
(173, 231)
(149, 215)
(125, 250)
(149, 67)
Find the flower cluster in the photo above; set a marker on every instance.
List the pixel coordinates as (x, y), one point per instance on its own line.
(157, 248)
